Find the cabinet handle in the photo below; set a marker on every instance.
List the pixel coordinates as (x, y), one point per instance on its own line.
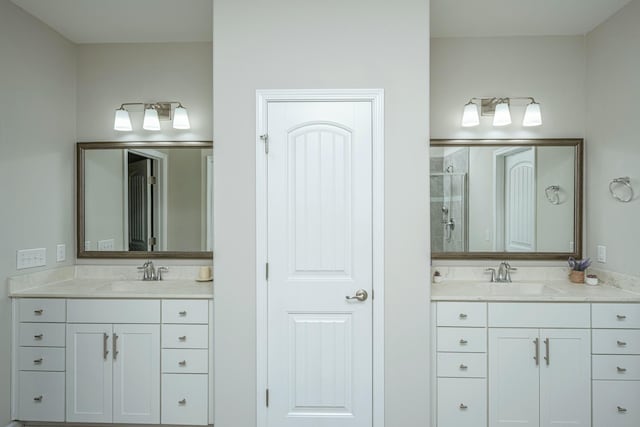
(546, 357)
(38, 337)
(621, 316)
(115, 346)
(463, 366)
(621, 409)
(182, 402)
(182, 338)
(37, 398)
(182, 363)
(463, 342)
(105, 352)
(619, 369)
(462, 316)
(182, 313)
(38, 312)
(536, 353)
(38, 361)
(463, 406)
(621, 343)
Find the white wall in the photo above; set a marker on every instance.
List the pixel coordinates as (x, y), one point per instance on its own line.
(550, 69)
(330, 44)
(37, 135)
(112, 74)
(184, 207)
(613, 149)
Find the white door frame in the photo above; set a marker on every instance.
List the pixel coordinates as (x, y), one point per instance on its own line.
(376, 98)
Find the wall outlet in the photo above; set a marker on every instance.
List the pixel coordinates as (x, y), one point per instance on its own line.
(602, 254)
(30, 258)
(61, 252)
(571, 246)
(106, 245)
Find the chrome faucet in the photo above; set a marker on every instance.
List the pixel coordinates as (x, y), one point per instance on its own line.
(504, 272)
(150, 272)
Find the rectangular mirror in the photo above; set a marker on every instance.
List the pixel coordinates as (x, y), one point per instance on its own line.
(506, 199)
(145, 199)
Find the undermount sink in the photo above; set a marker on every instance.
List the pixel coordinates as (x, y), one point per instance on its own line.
(517, 288)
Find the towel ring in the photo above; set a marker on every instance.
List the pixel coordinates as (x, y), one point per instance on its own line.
(552, 193)
(621, 181)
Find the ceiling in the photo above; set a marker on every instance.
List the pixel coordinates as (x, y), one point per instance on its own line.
(136, 21)
(496, 18)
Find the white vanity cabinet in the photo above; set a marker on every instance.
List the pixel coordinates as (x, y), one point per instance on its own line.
(113, 369)
(540, 372)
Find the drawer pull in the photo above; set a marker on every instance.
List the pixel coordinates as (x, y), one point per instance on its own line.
(536, 352)
(38, 361)
(621, 409)
(182, 313)
(38, 337)
(463, 342)
(105, 352)
(38, 312)
(547, 358)
(463, 406)
(182, 338)
(621, 316)
(37, 398)
(182, 363)
(463, 366)
(619, 369)
(621, 343)
(182, 402)
(115, 346)
(462, 316)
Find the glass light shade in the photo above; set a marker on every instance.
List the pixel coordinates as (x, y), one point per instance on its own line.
(122, 121)
(470, 116)
(150, 121)
(181, 118)
(502, 116)
(532, 115)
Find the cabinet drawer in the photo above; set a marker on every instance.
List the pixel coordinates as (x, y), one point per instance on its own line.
(185, 336)
(613, 316)
(185, 311)
(616, 403)
(616, 367)
(462, 402)
(41, 310)
(184, 399)
(185, 361)
(539, 315)
(467, 340)
(113, 311)
(41, 359)
(41, 334)
(616, 341)
(462, 314)
(464, 365)
(41, 396)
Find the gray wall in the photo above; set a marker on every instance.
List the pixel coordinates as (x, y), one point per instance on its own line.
(613, 148)
(37, 136)
(332, 44)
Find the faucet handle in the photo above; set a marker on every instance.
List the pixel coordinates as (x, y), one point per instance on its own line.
(493, 274)
(160, 270)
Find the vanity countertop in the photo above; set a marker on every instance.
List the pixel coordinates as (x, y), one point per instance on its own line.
(544, 291)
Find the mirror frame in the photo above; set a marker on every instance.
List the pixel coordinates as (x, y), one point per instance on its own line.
(578, 143)
(81, 149)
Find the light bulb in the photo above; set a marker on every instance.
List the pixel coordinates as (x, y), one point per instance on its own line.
(470, 115)
(150, 121)
(122, 121)
(181, 118)
(502, 115)
(532, 115)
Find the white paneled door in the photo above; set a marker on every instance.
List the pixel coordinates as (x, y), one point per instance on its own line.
(320, 264)
(520, 201)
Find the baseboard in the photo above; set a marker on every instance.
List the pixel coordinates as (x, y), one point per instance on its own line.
(14, 424)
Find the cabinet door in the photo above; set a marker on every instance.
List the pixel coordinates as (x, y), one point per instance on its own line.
(513, 378)
(89, 373)
(565, 378)
(136, 374)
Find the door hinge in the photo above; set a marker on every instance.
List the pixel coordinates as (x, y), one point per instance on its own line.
(152, 180)
(267, 397)
(266, 271)
(265, 139)
(373, 295)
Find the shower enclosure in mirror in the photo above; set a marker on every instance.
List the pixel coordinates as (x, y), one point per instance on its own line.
(512, 199)
(145, 199)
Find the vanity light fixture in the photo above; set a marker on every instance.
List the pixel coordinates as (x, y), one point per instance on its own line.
(154, 112)
(499, 108)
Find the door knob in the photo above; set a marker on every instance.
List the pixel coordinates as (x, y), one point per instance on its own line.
(361, 295)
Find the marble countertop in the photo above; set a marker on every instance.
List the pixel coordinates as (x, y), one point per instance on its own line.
(73, 282)
(538, 290)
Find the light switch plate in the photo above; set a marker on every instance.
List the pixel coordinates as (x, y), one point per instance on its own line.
(61, 252)
(30, 258)
(106, 245)
(602, 254)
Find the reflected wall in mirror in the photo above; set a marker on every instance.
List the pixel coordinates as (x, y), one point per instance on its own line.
(145, 199)
(512, 199)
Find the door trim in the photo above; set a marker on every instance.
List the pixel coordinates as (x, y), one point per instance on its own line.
(376, 98)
